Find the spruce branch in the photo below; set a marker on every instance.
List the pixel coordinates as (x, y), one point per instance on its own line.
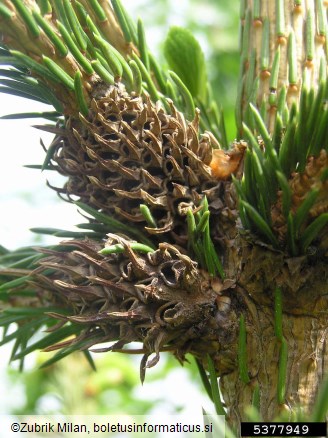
(188, 244)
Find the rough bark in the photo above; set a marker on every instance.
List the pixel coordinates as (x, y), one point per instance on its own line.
(303, 282)
(259, 270)
(191, 319)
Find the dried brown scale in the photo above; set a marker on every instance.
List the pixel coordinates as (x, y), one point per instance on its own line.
(128, 152)
(160, 299)
(301, 184)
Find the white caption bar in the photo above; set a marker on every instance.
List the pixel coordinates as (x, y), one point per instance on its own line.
(111, 426)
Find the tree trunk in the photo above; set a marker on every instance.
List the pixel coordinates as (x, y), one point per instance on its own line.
(264, 326)
(284, 368)
(298, 30)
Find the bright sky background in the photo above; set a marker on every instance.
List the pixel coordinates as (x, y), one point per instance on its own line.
(24, 198)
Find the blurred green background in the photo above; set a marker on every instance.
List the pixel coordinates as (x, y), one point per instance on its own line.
(71, 387)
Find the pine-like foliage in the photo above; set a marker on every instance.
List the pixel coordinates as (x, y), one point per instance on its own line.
(183, 231)
(135, 163)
